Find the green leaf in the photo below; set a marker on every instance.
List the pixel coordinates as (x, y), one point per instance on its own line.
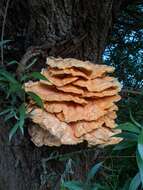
(3, 78)
(134, 121)
(129, 127)
(31, 64)
(126, 185)
(14, 87)
(140, 165)
(8, 76)
(36, 98)
(126, 135)
(38, 76)
(124, 145)
(22, 113)
(5, 111)
(93, 171)
(13, 130)
(140, 144)
(9, 116)
(73, 185)
(4, 42)
(94, 188)
(12, 63)
(99, 186)
(135, 183)
(24, 77)
(62, 188)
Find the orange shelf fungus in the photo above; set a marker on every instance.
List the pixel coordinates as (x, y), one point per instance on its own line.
(79, 104)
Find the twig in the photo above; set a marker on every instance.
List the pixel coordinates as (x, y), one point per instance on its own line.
(3, 30)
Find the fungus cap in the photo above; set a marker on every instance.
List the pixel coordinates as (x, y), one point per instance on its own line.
(79, 104)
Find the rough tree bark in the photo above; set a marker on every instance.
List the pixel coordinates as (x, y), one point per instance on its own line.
(67, 28)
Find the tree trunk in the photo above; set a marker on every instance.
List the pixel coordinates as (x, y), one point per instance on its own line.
(66, 28)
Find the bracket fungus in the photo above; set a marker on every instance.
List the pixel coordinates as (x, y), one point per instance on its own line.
(79, 104)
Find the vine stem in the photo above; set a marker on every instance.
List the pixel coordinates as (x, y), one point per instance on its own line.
(3, 30)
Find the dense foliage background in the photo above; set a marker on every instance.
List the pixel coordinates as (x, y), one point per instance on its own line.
(24, 48)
